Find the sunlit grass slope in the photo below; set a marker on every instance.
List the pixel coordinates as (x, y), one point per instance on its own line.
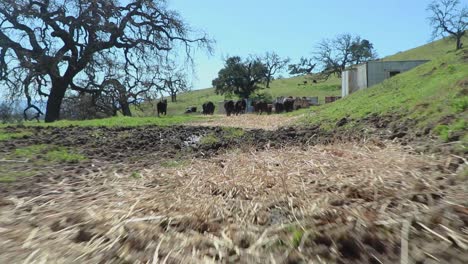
(434, 94)
(429, 51)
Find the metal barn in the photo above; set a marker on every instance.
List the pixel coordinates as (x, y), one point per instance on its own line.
(368, 74)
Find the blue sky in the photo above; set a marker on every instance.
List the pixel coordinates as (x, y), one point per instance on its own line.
(292, 28)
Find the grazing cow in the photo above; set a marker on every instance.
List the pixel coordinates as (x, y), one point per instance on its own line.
(162, 107)
(240, 107)
(260, 107)
(254, 105)
(288, 104)
(229, 107)
(279, 107)
(331, 99)
(208, 108)
(191, 109)
(301, 103)
(269, 108)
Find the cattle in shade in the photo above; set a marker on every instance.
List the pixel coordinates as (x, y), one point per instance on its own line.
(191, 109)
(260, 107)
(240, 107)
(208, 108)
(288, 104)
(162, 107)
(229, 107)
(269, 108)
(301, 103)
(279, 107)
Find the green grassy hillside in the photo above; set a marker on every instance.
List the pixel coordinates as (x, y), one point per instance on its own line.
(433, 95)
(429, 51)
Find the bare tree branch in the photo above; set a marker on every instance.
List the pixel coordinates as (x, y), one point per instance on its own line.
(448, 17)
(59, 40)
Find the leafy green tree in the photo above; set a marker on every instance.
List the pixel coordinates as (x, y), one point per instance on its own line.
(240, 77)
(362, 50)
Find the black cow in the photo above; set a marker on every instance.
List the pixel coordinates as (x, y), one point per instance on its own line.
(208, 108)
(288, 104)
(279, 107)
(260, 107)
(162, 107)
(229, 107)
(269, 108)
(191, 109)
(240, 107)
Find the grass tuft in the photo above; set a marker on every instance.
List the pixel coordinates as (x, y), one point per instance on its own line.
(12, 176)
(8, 136)
(230, 133)
(210, 139)
(136, 175)
(48, 153)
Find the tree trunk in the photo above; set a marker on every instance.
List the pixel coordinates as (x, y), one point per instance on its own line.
(268, 82)
(173, 97)
(126, 109)
(55, 101)
(459, 43)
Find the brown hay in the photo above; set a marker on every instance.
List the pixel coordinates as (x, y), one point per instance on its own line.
(249, 206)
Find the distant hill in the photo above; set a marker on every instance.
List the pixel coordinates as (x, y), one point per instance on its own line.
(429, 51)
(429, 99)
(294, 86)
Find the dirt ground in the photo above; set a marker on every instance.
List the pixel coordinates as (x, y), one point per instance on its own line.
(249, 121)
(196, 194)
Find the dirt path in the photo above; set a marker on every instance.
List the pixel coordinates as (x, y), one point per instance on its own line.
(248, 121)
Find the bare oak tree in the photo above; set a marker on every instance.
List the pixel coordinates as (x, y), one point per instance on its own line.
(274, 64)
(47, 45)
(115, 84)
(174, 82)
(334, 55)
(448, 17)
(305, 66)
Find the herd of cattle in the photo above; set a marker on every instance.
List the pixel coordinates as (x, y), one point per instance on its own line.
(282, 104)
(208, 109)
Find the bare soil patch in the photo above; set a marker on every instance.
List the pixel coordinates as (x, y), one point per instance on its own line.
(249, 121)
(374, 202)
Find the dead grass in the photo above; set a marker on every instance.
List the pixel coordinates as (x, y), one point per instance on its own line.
(352, 202)
(248, 121)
